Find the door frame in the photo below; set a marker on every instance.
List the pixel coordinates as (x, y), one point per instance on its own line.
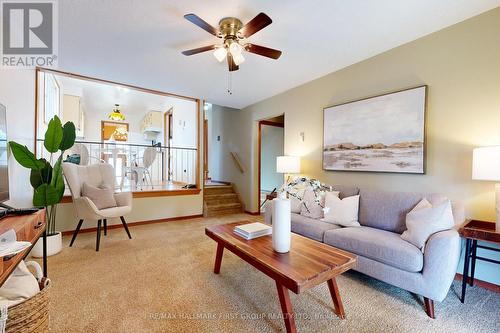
(263, 123)
(205, 150)
(167, 120)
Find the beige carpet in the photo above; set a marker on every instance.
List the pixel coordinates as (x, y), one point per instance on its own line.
(162, 281)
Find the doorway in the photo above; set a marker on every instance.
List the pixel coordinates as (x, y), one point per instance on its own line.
(271, 145)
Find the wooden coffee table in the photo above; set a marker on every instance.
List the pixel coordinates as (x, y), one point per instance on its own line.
(308, 264)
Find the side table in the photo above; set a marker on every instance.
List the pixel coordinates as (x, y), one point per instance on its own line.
(473, 231)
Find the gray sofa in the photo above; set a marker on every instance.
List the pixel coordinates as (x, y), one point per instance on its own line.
(382, 253)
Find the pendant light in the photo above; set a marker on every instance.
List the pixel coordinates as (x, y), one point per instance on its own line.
(116, 114)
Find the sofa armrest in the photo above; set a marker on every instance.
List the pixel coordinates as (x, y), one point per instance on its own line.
(123, 199)
(268, 214)
(441, 256)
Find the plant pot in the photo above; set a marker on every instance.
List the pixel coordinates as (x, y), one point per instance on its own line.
(54, 246)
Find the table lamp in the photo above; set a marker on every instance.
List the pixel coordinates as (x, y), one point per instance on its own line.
(486, 166)
(288, 165)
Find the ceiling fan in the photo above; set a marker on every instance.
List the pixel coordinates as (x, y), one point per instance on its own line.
(233, 33)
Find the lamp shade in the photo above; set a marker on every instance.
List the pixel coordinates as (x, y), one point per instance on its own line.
(486, 163)
(288, 164)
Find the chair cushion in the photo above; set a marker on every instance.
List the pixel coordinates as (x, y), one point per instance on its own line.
(115, 211)
(387, 210)
(383, 246)
(310, 228)
(102, 196)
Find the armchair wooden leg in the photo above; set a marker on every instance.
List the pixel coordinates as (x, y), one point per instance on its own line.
(76, 232)
(429, 307)
(98, 239)
(105, 224)
(125, 226)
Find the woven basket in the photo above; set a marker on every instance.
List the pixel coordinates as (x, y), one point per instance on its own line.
(32, 315)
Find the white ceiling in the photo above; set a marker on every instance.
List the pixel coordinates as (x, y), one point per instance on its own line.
(140, 42)
(99, 98)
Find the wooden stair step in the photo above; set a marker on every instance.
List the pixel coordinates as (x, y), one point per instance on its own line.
(211, 213)
(216, 207)
(208, 190)
(221, 198)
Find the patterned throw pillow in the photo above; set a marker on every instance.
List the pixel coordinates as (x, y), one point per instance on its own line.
(312, 204)
(296, 196)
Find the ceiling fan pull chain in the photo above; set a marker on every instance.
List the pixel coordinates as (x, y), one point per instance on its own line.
(229, 84)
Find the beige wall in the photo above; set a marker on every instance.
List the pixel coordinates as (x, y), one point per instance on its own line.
(461, 66)
(17, 93)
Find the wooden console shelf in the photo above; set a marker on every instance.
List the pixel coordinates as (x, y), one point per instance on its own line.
(28, 228)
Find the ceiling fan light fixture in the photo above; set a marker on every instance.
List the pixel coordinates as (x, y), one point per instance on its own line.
(238, 59)
(220, 54)
(236, 49)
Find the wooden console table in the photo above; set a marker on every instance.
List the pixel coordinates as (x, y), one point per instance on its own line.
(28, 228)
(473, 231)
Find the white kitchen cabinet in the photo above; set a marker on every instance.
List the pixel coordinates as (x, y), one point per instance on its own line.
(152, 122)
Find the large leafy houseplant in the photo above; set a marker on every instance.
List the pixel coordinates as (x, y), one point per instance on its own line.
(46, 177)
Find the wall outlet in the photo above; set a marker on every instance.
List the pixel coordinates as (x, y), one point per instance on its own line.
(302, 136)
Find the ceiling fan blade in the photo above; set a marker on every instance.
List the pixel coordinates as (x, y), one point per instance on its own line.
(195, 19)
(263, 51)
(259, 22)
(230, 63)
(198, 50)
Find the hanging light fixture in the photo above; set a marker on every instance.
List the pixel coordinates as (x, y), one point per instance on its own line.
(235, 48)
(238, 59)
(116, 114)
(220, 53)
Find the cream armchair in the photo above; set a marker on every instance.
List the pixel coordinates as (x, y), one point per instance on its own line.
(95, 175)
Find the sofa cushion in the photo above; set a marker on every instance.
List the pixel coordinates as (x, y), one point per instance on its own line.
(380, 245)
(345, 190)
(309, 227)
(387, 210)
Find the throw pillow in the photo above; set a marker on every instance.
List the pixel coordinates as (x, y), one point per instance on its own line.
(342, 212)
(426, 219)
(102, 197)
(312, 204)
(296, 197)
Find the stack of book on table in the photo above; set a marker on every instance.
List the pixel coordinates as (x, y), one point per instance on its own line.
(253, 230)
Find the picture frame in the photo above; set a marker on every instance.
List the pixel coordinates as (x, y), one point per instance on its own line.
(383, 133)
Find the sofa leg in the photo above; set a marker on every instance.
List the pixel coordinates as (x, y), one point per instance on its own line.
(429, 307)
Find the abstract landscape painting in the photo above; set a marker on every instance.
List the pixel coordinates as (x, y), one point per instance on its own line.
(379, 134)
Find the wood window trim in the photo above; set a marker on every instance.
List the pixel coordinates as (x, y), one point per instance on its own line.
(151, 194)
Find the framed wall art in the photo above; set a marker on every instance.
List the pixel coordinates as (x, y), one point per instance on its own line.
(385, 133)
